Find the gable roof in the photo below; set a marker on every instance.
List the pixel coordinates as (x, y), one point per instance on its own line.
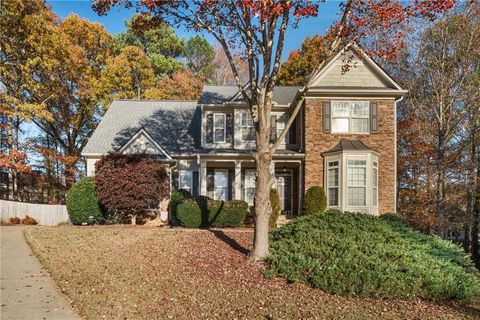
(173, 125)
(364, 74)
(143, 133)
(282, 95)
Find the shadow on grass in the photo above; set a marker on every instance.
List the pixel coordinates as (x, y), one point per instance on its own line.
(230, 241)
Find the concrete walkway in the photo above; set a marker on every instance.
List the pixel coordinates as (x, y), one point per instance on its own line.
(27, 291)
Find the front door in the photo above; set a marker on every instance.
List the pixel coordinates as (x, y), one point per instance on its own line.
(284, 188)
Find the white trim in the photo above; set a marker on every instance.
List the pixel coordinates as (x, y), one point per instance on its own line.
(224, 126)
(151, 140)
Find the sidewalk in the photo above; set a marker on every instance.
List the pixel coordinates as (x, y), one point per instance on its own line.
(27, 291)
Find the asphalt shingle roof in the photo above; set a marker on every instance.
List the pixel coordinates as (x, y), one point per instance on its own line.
(174, 125)
(219, 94)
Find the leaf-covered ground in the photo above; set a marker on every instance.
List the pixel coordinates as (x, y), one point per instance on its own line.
(120, 272)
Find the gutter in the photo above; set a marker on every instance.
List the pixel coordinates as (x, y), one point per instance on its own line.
(395, 152)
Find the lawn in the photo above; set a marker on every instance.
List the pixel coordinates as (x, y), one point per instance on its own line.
(120, 272)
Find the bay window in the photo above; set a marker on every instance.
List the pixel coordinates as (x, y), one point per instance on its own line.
(350, 116)
(351, 180)
(219, 124)
(332, 183)
(356, 183)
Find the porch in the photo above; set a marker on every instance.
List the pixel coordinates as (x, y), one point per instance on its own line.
(225, 179)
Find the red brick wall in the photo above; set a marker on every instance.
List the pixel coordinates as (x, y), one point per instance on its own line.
(316, 142)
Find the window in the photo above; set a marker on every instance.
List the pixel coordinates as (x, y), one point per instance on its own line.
(185, 180)
(248, 127)
(220, 185)
(350, 117)
(375, 184)
(281, 123)
(219, 127)
(249, 186)
(356, 182)
(332, 183)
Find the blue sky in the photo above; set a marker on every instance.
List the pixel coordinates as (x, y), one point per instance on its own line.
(114, 21)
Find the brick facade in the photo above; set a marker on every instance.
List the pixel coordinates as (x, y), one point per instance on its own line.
(316, 142)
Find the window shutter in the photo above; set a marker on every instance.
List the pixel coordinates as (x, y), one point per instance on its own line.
(231, 179)
(292, 133)
(209, 129)
(229, 128)
(373, 117)
(273, 129)
(195, 183)
(327, 117)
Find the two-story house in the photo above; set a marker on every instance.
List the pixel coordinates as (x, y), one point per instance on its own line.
(344, 138)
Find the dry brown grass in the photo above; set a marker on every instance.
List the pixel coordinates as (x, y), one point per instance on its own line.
(121, 272)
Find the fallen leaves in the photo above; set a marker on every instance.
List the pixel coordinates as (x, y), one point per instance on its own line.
(118, 272)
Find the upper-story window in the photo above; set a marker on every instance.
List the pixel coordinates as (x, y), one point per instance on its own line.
(247, 127)
(219, 124)
(350, 116)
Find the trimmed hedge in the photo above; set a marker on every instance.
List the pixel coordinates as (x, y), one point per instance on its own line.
(275, 203)
(203, 212)
(82, 201)
(380, 257)
(177, 198)
(315, 200)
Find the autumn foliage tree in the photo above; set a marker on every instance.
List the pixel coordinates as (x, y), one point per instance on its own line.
(259, 27)
(127, 185)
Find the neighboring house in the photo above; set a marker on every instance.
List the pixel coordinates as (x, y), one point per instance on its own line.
(344, 139)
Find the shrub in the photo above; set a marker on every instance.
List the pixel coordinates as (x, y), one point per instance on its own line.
(275, 202)
(232, 214)
(189, 214)
(29, 220)
(82, 201)
(15, 220)
(129, 185)
(203, 212)
(315, 200)
(176, 198)
(372, 256)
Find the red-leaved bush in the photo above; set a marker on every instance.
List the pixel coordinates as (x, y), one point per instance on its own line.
(127, 185)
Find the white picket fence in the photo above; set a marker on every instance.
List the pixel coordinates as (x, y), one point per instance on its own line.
(45, 214)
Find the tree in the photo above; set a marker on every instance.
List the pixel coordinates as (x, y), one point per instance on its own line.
(127, 75)
(159, 42)
(127, 185)
(199, 55)
(181, 86)
(222, 74)
(300, 63)
(259, 27)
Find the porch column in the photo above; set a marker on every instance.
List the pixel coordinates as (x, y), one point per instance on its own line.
(300, 187)
(238, 180)
(203, 178)
(272, 174)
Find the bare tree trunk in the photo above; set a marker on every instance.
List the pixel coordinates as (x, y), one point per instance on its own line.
(475, 244)
(263, 161)
(441, 185)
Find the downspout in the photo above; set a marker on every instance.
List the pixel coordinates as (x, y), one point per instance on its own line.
(395, 153)
(171, 187)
